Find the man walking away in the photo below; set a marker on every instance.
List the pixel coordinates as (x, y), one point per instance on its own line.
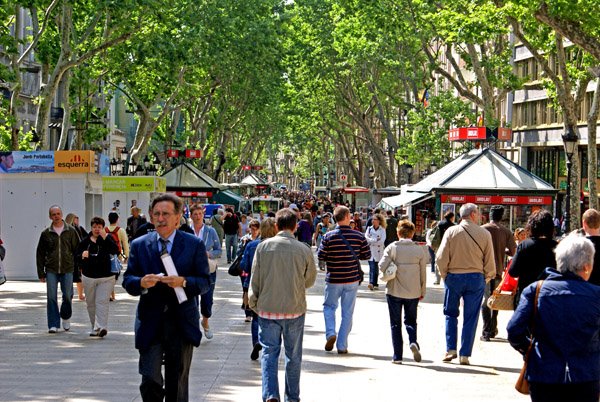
(391, 229)
(466, 262)
(341, 249)
(55, 264)
(504, 244)
(282, 270)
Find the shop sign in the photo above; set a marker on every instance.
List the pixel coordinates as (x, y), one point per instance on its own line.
(206, 194)
(193, 153)
(504, 134)
(74, 162)
(497, 199)
(467, 133)
(133, 184)
(172, 153)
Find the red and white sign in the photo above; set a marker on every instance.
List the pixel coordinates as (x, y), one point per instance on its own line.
(193, 153)
(194, 194)
(504, 134)
(467, 133)
(343, 177)
(246, 167)
(257, 167)
(172, 153)
(497, 199)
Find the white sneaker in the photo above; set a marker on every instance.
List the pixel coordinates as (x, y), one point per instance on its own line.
(53, 330)
(207, 332)
(464, 360)
(66, 324)
(416, 352)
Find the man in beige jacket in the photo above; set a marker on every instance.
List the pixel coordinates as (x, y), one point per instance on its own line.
(466, 263)
(282, 270)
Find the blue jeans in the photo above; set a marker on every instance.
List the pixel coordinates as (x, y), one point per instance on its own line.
(395, 305)
(373, 272)
(333, 293)
(470, 288)
(66, 288)
(231, 242)
(269, 334)
(206, 300)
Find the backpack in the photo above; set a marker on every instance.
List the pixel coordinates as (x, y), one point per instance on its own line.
(115, 236)
(435, 237)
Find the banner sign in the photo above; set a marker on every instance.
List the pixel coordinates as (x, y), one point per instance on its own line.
(246, 167)
(74, 162)
(172, 153)
(206, 194)
(467, 133)
(27, 162)
(504, 134)
(139, 184)
(497, 199)
(193, 153)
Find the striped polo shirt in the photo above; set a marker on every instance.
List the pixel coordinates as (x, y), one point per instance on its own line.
(341, 264)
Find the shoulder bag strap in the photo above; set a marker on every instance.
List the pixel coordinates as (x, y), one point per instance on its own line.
(532, 325)
(339, 232)
(480, 249)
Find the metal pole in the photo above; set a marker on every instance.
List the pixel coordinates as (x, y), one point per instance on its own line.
(568, 205)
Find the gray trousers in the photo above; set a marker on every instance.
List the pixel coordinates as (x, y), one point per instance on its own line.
(97, 297)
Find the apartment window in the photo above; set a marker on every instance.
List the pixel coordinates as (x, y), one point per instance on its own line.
(543, 163)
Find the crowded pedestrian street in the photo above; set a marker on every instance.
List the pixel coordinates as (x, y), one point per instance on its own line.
(72, 366)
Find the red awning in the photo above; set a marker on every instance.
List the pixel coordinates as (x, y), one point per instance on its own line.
(355, 190)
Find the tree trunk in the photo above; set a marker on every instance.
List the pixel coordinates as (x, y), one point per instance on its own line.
(592, 151)
(16, 87)
(66, 104)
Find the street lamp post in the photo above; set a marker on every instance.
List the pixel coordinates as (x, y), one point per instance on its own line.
(409, 171)
(570, 144)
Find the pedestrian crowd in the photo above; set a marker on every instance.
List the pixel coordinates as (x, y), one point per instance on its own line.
(172, 267)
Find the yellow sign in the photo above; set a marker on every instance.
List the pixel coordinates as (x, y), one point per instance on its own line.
(74, 161)
(140, 184)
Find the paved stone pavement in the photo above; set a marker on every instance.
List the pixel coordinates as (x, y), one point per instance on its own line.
(71, 366)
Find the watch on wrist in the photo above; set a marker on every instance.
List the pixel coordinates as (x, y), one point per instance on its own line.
(184, 283)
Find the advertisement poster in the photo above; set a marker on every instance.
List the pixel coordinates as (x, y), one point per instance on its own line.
(27, 162)
(74, 161)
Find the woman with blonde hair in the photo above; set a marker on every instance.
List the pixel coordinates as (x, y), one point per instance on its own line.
(406, 289)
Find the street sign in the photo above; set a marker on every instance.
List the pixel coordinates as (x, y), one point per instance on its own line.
(343, 177)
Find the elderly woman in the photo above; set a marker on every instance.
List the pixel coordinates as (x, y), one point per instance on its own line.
(564, 361)
(406, 289)
(535, 254)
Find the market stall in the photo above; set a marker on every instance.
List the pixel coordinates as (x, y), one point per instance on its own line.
(483, 177)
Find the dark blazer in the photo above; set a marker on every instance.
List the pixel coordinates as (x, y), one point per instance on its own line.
(160, 302)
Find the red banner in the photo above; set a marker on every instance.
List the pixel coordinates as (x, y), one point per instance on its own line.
(497, 199)
(193, 153)
(172, 153)
(257, 168)
(467, 133)
(193, 194)
(246, 167)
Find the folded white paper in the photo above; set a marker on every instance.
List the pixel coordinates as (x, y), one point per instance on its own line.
(172, 271)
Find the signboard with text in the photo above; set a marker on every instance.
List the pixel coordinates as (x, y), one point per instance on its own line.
(193, 153)
(74, 162)
(467, 133)
(28, 162)
(497, 199)
(134, 184)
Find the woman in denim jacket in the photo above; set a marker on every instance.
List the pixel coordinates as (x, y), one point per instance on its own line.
(564, 362)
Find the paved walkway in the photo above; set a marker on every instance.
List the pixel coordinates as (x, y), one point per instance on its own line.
(71, 366)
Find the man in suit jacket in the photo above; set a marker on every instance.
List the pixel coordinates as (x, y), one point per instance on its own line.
(164, 328)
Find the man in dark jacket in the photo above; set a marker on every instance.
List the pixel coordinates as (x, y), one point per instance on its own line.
(55, 264)
(391, 229)
(446, 223)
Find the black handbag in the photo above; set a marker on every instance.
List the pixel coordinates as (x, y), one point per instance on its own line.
(235, 269)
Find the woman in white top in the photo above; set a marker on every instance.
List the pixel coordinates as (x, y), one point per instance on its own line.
(375, 235)
(406, 289)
